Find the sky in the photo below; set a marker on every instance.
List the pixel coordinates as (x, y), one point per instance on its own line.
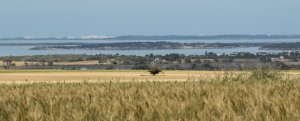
(68, 18)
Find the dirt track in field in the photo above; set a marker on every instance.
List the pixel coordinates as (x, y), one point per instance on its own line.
(96, 76)
(105, 76)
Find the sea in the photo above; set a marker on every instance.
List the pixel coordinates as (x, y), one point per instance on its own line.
(24, 50)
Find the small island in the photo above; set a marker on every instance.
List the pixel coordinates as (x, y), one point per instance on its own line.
(143, 46)
(281, 46)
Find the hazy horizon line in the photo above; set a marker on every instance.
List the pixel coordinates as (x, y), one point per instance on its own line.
(153, 35)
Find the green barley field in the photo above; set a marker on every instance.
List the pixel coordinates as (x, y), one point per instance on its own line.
(260, 96)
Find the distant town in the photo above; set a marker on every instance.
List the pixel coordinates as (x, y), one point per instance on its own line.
(209, 61)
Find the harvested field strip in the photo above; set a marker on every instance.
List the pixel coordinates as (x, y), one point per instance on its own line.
(57, 75)
(43, 71)
(45, 75)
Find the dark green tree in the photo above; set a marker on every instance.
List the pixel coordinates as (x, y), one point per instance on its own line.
(155, 71)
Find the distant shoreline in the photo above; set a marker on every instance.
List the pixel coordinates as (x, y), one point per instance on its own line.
(165, 37)
(159, 45)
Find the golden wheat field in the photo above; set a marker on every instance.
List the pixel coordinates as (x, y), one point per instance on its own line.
(256, 95)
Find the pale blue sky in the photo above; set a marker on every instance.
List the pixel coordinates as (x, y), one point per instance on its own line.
(60, 18)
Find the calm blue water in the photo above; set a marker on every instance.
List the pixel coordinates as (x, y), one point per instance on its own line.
(24, 50)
